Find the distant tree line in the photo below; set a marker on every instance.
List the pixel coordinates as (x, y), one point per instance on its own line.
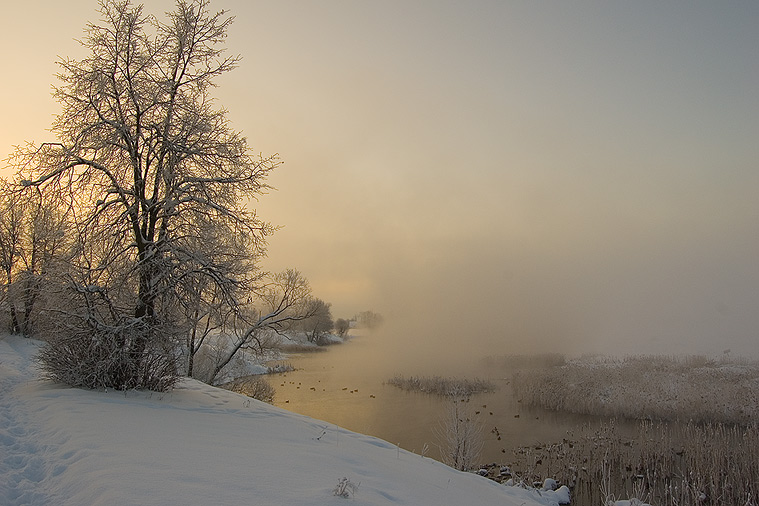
(368, 319)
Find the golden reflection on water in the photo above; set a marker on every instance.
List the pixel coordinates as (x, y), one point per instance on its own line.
(345, 387)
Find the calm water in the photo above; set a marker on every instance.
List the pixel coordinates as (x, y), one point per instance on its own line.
(344, 386)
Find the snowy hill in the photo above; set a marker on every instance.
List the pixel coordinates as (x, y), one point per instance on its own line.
(200, 445)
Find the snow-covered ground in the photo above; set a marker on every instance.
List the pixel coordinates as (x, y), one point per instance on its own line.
(201, 445)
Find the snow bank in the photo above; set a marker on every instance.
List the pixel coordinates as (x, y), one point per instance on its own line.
(200, 445)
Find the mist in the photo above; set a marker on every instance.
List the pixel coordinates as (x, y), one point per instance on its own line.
(493, 178)
(661, 299)
(599, 265)
(534, 180)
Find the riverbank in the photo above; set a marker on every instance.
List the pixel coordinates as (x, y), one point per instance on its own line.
(348, 387)
(201, 445)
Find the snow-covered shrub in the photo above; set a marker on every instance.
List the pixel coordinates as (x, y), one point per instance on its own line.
(126, 356)
(279, 368)
(210, 354)
(297, 341)
(245, 362)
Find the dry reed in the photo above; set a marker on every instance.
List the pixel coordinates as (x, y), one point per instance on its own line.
(663, 464)
(647, 387)
(253, 386)
(453, 387)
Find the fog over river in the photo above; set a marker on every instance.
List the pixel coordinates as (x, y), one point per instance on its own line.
(345, 386)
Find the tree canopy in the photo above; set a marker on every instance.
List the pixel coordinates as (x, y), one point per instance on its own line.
(157, 183)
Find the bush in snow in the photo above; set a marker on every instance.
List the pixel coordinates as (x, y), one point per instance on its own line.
(345, 488)
(106, 357)
(342, 327)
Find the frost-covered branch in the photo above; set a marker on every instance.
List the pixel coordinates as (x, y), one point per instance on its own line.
(287, 299)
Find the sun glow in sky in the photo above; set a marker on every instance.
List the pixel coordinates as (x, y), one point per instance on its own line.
(527, 175)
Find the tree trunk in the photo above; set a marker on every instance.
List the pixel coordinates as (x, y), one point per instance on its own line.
(191, 344)
(31, 292)
(15, 327)
(144, 310)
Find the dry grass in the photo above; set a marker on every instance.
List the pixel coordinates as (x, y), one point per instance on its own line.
(647, 387)
(252, 386)
(665, 464)
(707, 458)
(301, 348)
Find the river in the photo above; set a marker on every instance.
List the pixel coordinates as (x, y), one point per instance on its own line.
(345, 386)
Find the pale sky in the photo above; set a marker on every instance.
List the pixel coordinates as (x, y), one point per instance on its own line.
(523, 175)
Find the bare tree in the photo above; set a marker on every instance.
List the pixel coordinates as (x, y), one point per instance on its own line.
(211, 306)
(11, 216)
(285, 299)
(46, 244)
(147, 159)
(460, 437)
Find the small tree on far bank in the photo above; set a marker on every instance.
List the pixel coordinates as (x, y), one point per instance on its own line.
(342, 326)
(368, 319)
(319, 323)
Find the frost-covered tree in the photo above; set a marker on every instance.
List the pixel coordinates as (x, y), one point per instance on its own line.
(319, 323)
(342, 326)
(460, 438)
(11, 226)
(210, 307)
(32, 241)
(156, 177)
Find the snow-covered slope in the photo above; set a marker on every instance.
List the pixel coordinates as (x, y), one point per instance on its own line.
(200, 445)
